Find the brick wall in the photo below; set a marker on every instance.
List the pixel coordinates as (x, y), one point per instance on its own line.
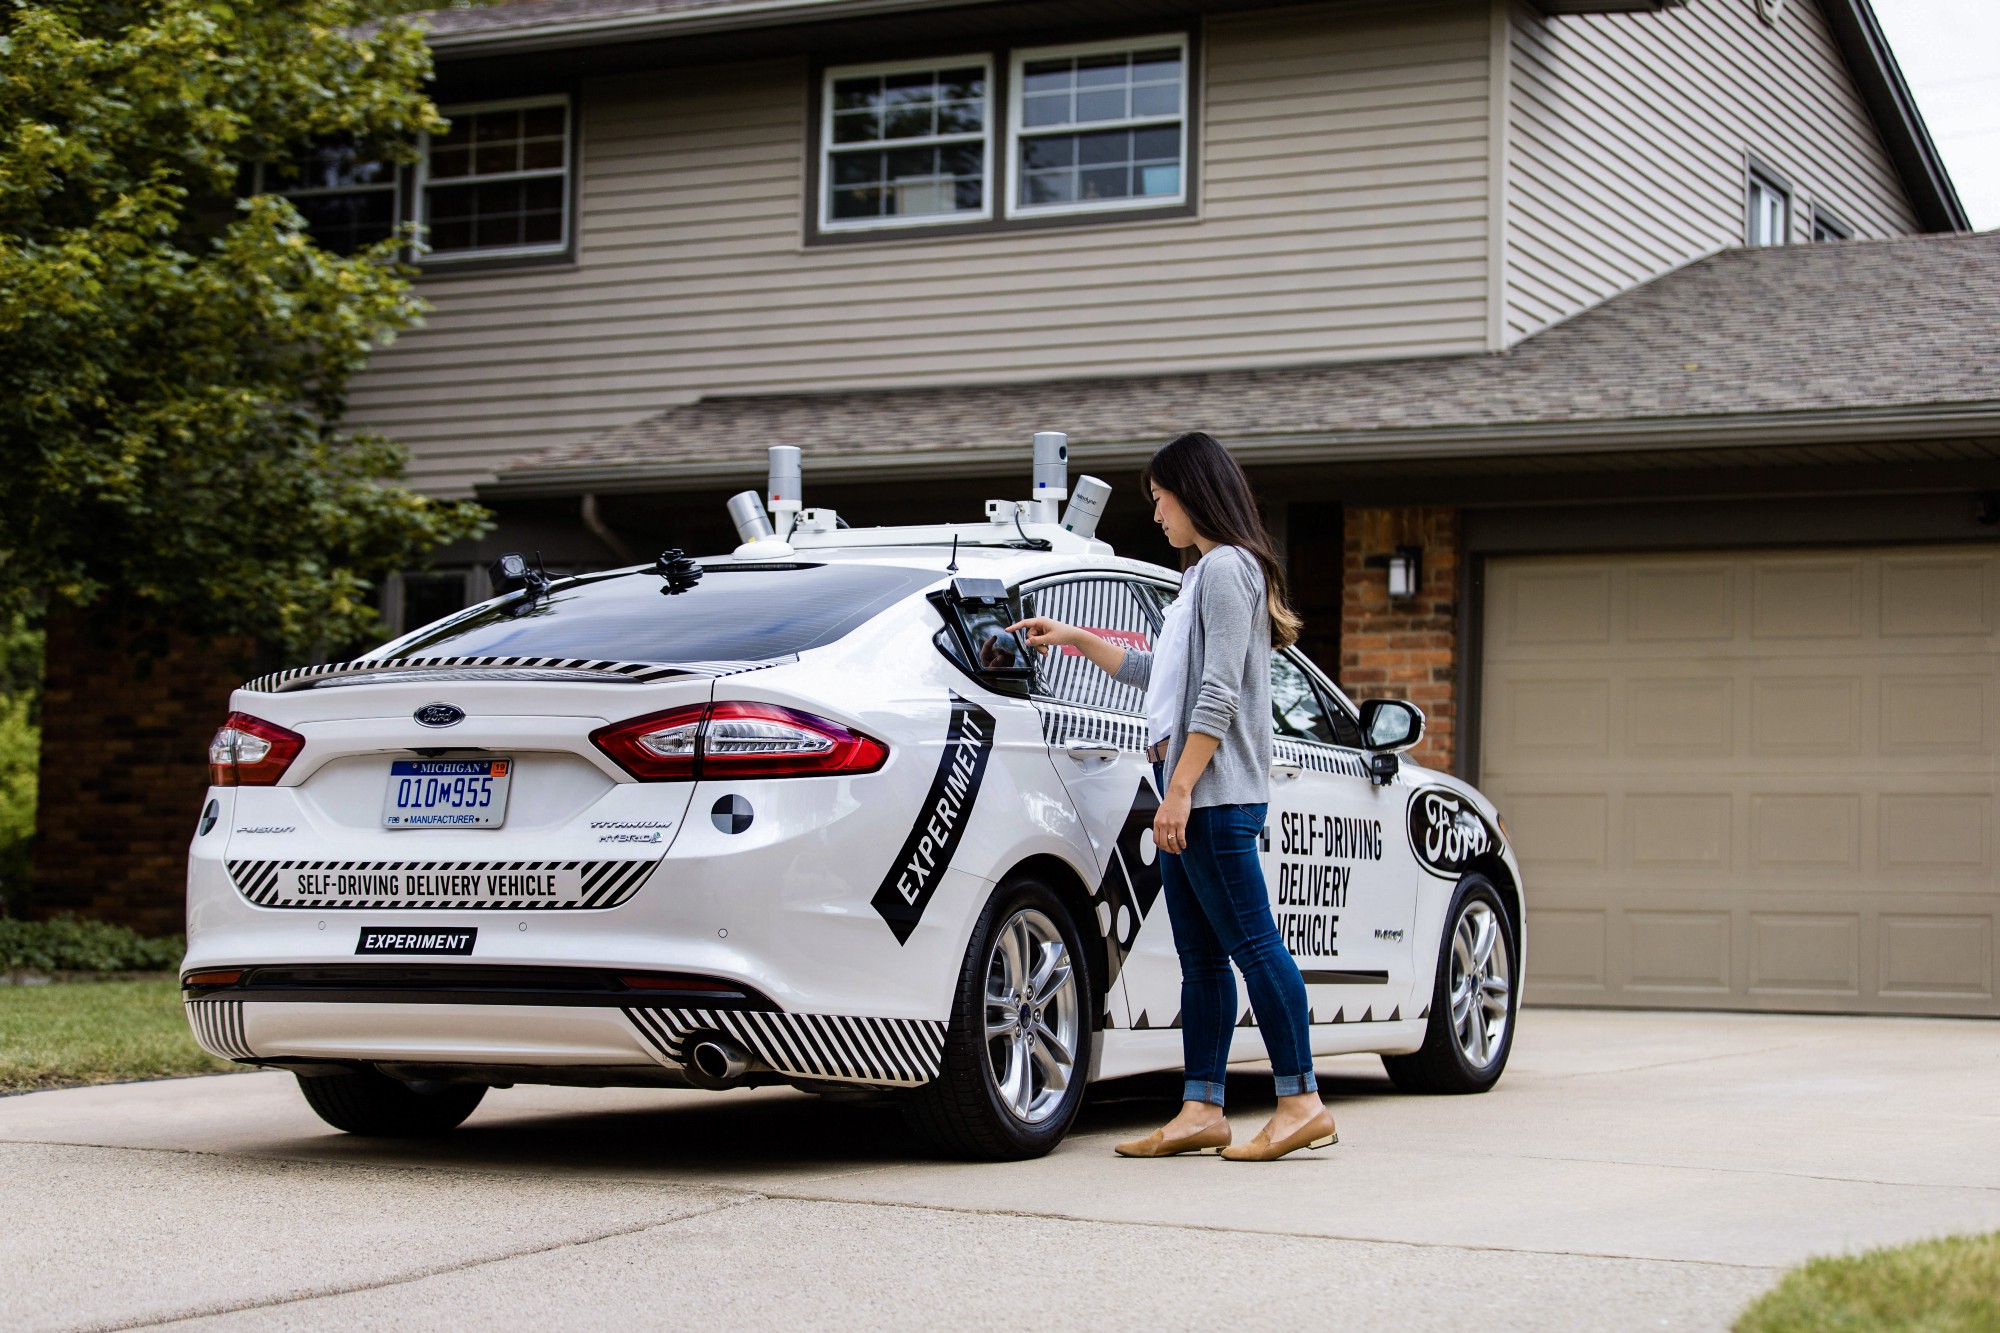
(125, 731)
(1406, 649)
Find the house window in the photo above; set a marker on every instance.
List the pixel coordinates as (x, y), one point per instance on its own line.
(1826, 227)
(348, 200)
(1098, 127)
(905, 144)
(498, 182)
(1770, 217)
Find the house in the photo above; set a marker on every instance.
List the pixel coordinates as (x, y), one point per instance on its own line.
(1648, 329)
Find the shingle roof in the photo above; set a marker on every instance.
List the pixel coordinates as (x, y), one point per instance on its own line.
(1817, 335)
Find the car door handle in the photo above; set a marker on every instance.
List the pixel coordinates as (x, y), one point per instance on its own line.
(1084, 751)
(1287, 771)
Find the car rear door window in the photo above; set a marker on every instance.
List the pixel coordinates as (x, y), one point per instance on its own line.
(736, 613)
(1111, 608)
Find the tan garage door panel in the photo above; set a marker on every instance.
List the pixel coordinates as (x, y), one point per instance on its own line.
(1758, 780)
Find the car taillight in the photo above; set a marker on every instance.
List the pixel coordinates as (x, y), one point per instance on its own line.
(736, 740)
(659, 747)
(250, 752)
(766, 741)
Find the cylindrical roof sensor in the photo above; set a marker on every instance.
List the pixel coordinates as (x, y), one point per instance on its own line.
(1086, 506)
(1051, 465)
(746, 511)
(784, 487)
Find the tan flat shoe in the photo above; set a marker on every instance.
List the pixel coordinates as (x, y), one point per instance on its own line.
(1317, 1132)
(1157, 1144)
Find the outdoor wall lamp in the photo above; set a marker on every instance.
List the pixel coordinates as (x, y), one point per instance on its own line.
(1406, 571)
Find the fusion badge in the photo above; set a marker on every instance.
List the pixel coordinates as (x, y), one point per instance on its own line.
(393, 939)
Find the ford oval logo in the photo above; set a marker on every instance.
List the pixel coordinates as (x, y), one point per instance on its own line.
(439, 715)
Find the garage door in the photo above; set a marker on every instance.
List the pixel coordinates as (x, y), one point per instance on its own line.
(1750, 781)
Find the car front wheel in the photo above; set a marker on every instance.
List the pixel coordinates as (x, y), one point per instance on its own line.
(1018, 1047)
(1473, 1001)
(365, 1102)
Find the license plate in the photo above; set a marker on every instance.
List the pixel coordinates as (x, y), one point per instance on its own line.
(384, 939)
(447, 793)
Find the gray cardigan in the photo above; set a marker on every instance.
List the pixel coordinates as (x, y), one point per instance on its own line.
(1226, 692)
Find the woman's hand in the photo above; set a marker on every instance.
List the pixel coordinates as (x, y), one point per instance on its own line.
(1044, 633)
(1171, 820)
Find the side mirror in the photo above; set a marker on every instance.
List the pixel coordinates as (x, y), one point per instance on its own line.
(1391, 725)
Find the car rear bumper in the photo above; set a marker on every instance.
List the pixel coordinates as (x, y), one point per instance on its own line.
(560, 1030)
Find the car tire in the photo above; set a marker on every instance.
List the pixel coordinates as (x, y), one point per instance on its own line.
(1477, 964)
(373, 1104)
(974, 1108)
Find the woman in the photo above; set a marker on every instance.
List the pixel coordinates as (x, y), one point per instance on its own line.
(1208, 714)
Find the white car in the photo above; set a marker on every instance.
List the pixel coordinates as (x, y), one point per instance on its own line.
(805, 814)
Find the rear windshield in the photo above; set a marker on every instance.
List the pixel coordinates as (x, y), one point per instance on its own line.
(733, 614)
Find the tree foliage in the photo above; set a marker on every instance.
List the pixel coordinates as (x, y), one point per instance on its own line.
(174, 351)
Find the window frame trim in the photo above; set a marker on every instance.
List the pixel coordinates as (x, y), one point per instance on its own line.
(1836, 224)
(1017, 59)
(1757, 175)
(823, 221)
(813, 237)
(420, 203)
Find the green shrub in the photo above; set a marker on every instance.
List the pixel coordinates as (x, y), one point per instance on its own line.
(67, 944)
(1935, 1286)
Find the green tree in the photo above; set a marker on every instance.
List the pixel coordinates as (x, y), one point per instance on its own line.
(20, 750)
(174, 352)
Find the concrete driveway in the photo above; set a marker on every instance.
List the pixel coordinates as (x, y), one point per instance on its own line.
(1632, 1170)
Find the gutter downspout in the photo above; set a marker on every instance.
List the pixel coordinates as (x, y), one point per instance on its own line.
(594, 523)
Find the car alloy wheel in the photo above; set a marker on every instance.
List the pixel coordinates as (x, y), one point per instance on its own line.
(1031, 1015)
(1481, 983)
(1469, 1025)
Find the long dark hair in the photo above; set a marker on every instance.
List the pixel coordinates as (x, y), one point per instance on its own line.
(1210, 486)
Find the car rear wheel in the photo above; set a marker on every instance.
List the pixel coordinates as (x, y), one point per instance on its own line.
(1018, 1047)
(1473, 1002)
(373, 1104)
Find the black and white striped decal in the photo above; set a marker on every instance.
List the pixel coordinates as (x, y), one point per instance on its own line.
(603, 884)
(483, 668)
(1098, 604)
(218, 1028)
(1063, 725)
(1316, 758)
(899, 1052)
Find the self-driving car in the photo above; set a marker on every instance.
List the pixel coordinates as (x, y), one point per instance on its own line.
(805, 813)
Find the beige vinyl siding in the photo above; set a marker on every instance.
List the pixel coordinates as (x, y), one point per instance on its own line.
(1343, 214)
(1628, 142)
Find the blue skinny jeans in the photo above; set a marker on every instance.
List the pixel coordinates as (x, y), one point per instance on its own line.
(1221, 912)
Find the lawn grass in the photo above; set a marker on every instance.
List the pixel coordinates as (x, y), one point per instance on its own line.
(1935, 1286)
(71, 1033)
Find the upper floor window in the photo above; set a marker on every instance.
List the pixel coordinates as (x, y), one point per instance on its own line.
(1069, 131)
(497, 184)
(1099, 126)
(347, 199)
(905, 143)
(1826, 227)
(1770, 211)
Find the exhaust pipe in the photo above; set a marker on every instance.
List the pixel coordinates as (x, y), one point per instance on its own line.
(717, 1061)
